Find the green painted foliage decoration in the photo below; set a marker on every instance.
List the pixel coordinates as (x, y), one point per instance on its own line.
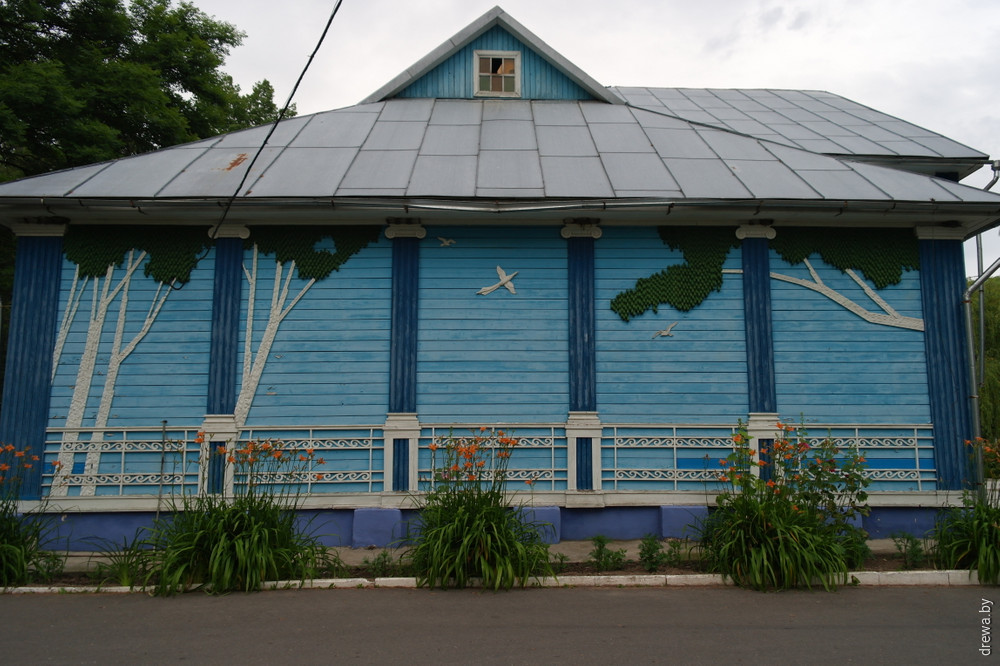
(880, 254)
(682, 286)
(173, 251)
(299, 245)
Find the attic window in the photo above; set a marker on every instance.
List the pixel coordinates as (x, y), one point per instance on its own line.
(498, 74)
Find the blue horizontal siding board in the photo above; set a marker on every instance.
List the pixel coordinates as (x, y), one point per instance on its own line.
(31, 338)
(454, 78)
(942, 272)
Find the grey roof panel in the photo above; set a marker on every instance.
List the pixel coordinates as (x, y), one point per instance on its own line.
(620, 138)
(514, 169)
(844, 185)
(770, 180)
(391, 135)
(557, 113)
(380, 170)
(733, 146)
(508, 135)
(706, 179)
(336, 129)
(510, 109)
(450, 176)
(798, 159)
(407, 110)
(303, 172)
(659, 120)
(565, 141)
(132, 178)
(456, 112)
(606, 113)
(575, 177)
(284, 134)
(679, 143)
(629, 171)
(55, 184)
(451, 140)
(217, 173)
(906, 186)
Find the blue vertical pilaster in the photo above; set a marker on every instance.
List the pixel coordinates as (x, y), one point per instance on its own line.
(403, 338)
(400, 463)
(582, 350)
(224, 344)
(757, 320)
(31, 338)
(942, 286)
(584, 463)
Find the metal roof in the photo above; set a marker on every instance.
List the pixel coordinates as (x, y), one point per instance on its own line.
(678, 152)
(473, 149)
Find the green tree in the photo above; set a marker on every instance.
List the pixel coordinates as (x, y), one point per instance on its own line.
(989, 392)
(85, 81)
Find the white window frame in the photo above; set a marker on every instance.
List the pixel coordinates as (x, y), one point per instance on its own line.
(516, 55)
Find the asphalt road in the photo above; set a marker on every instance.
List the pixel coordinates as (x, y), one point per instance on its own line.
(895, 625)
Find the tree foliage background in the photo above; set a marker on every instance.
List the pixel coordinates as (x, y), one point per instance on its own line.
(989, 392)
(84, 81)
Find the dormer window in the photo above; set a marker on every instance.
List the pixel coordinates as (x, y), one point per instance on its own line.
(498, 73)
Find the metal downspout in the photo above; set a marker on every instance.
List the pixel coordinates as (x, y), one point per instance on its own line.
(978, 378)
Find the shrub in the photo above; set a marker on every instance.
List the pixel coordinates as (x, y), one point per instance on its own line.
(968, 537)
(910, 548)
(23, 536)
(784, 520)
(237, 543)
(604, 558)
(467, 527)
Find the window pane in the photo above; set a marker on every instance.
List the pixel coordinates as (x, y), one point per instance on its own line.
(508, 66)
(496, 65)
(497, 83)
(484, 83)
(508, 84)
(484, 65)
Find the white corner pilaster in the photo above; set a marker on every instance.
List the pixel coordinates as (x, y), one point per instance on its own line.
(218, 428)
(761, 425)
(583, 425)
(406, 426)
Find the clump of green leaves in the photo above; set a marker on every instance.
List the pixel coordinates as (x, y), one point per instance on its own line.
(24, 537)
(968, 537)
(468, 528)
(784, 519)
(653, 555)
(226, 544)
(910, 548)
(604, 558)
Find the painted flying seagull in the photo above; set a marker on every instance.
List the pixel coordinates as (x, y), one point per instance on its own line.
(505, 281)
(667, 332)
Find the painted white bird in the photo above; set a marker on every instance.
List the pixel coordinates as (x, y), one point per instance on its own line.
(505, 281)
(446, 242)
(665, 332)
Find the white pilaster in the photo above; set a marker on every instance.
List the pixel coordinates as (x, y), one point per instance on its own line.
(400, 425)
(583, 424)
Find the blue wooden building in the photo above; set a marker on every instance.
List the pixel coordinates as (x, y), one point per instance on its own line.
(618, 275)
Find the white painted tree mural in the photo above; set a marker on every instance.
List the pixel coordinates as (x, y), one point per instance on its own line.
(880, 256)
(295, 252)
(107, 259)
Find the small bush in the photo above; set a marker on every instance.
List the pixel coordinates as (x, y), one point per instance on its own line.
(468, 528)
(604, 558)
(23, 536)
(910, 548)
(652, 555)
(968, 537)
(792, 529)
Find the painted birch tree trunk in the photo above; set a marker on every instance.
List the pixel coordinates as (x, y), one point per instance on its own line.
(254, 362)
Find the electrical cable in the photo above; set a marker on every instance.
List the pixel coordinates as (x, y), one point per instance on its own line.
(274, 125)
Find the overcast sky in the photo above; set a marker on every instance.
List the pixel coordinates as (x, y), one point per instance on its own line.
(931, 62)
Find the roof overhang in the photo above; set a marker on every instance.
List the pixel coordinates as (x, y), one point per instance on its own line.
(964, 219)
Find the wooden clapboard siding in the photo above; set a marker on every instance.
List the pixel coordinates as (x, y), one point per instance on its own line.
(833, 366)
(166, 377)
(697, 376)
(499, 357)
(452, 79)
(330, 360)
